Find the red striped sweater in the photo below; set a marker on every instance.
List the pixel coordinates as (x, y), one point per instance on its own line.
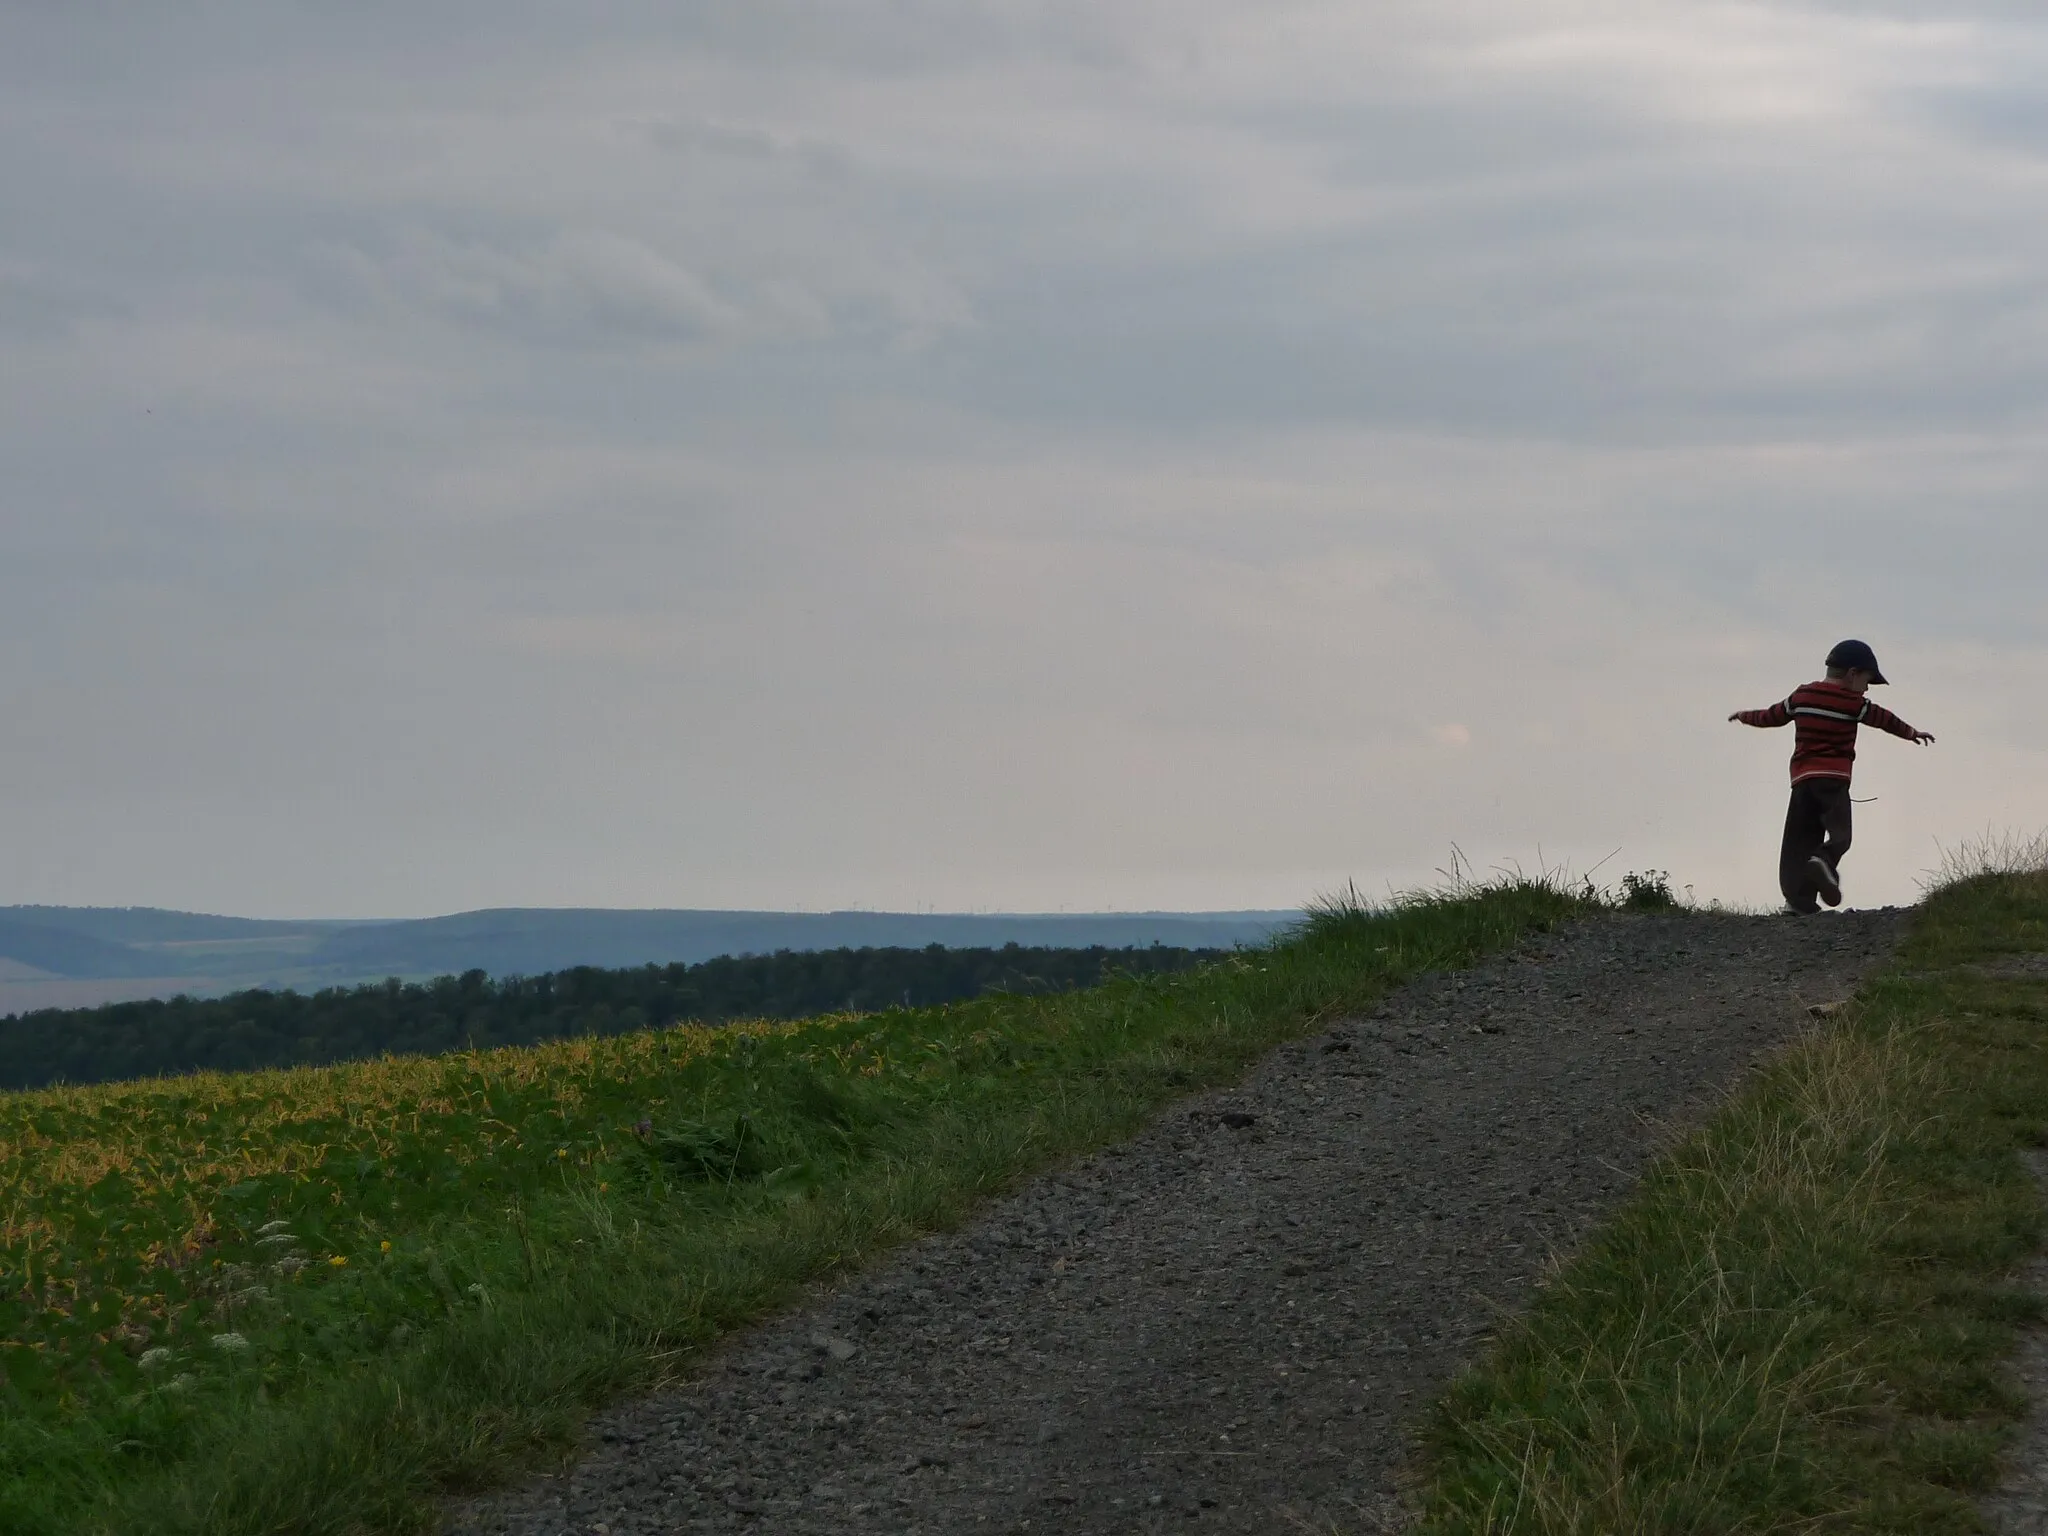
(1827, 714)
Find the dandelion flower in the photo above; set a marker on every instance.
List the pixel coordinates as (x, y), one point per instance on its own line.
(231, 1343)
(385, 1246)
(561, 1151)
(338, 1260)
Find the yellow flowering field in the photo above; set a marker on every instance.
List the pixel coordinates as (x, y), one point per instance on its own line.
(174, 1250)
(142, 1222)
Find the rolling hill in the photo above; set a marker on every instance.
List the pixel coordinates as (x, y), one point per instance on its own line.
(81, 956)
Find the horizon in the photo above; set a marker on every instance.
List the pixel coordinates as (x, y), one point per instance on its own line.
(86, 956)
(31, 906)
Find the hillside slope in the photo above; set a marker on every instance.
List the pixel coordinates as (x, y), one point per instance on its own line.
(1232, 1319)
(249, 1031)
(307, 1301)
(59, 951)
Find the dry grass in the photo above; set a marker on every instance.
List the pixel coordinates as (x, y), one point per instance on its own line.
(1995, 853)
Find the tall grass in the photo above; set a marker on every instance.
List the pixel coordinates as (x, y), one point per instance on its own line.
(1796, 1322)
(1995, 854)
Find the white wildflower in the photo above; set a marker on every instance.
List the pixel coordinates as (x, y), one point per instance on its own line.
(150, 1359)
(272, 1228)
(232, 1343)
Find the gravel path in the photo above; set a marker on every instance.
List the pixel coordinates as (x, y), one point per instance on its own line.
(1227, 1323)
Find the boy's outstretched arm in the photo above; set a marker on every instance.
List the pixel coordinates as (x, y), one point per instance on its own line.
(1885, 720)
(1778, 714)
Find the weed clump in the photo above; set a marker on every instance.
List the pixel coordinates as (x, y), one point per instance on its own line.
(1649, 891)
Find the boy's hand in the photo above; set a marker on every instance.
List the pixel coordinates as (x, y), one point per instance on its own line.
(1736, 716)
(1923, 738)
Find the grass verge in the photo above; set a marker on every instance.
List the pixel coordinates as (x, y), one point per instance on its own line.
(1798, 1320)
(316, 1301)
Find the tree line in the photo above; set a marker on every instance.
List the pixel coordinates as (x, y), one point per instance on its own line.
(244, 1031)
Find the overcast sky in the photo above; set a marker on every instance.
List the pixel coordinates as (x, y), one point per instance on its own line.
(945, 454)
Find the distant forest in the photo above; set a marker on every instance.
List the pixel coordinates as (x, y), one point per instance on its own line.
(248, 1030)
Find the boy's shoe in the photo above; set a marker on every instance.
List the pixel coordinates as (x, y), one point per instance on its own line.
(1825, 880)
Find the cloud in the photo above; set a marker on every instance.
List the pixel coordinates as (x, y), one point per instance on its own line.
(597, 288)
(35, 307)
(705, 137)
(588, 285)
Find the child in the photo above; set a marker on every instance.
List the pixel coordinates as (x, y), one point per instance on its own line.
(1823, 755)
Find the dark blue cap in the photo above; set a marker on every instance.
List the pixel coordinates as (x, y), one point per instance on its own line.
(1854, 653)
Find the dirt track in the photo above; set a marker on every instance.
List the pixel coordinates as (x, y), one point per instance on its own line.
(1228, 1323)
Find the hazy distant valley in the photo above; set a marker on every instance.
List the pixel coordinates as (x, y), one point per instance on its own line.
(75, 957)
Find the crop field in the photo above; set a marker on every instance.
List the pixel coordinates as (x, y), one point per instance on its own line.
(315, 1300)
(149, 1228)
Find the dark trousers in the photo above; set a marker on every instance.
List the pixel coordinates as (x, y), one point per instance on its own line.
(1817, 822)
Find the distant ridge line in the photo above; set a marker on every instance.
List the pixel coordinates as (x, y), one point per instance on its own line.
(205, 954)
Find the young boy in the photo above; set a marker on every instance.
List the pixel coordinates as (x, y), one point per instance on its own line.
(1823, 755)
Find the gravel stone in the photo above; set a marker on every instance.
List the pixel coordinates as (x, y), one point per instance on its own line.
(1229, 1322)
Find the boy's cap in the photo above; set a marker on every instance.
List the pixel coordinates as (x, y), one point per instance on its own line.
(1854, 653)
